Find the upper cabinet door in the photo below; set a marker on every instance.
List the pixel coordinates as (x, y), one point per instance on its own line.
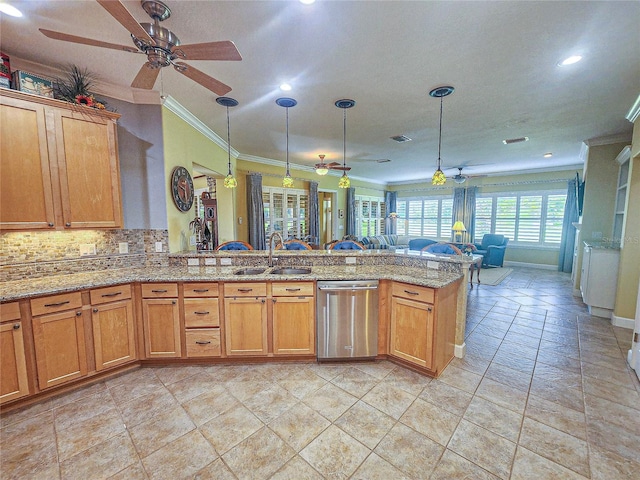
(26, 197)
(88, 168)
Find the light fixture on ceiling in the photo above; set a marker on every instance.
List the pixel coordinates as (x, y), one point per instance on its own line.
(345, 181)
(438, 176)
(10, 10)
(285, 87)
(229, 181)
(287, 181)
(307, 2)
(322, 168)
(510, 141)
(570, 60)
(548, 155)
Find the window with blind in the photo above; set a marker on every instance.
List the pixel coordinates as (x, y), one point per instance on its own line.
(527, 218)
(370, 215)
(425, 217)
(286, 211)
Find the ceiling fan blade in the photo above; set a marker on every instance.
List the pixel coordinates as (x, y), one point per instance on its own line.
(202, 78)
(225, 50)
(146, 77)
(345, 169)
(86, 41)
(122, 15)
(330, 165)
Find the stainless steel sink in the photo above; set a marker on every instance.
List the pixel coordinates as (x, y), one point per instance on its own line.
(290, 271)
(250, 271)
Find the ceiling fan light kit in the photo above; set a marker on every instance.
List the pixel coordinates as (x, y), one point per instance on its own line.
(229, 181)
(321, 168)
(439, 177)
(345, 103)
(287, 103)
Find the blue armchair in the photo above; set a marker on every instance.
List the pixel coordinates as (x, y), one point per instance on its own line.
(492, 249)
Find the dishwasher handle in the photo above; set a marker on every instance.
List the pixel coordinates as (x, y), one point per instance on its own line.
(339, 289)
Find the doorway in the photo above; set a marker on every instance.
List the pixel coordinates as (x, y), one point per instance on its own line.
(327, 202)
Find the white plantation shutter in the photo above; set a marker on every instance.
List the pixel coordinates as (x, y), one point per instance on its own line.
(554, 218)
(286, 212)
(425, 217)
(529, 218)
(370, 213)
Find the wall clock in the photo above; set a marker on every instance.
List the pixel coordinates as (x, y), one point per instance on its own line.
(182, 188)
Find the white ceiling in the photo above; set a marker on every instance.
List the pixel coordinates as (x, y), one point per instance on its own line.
(386, 55)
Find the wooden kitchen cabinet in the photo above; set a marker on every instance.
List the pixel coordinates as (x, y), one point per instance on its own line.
(245, 321)
(202, 319)
(113, 325)
(59, 165)
(14, 380)
(59, 339)
(161, 320)
(423, 325)
(293, 314)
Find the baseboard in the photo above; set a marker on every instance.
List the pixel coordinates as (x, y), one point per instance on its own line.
(460, 350)
(531, 265)
(599, 312)
(623, 322)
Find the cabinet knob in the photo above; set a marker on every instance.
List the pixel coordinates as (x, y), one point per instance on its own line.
(68, 224)
(263, 300)
(50, 224)
(78, 313)
(16, 326)
(429, 309)
(95, 310)
(273, 300)
(173, 302)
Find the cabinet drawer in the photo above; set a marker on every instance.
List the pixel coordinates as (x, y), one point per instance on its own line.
(292, 289)
(203, 342)
(412, 292)
(9, 311)
(245, 289)
(159, 290)
(55, 303)
(200, 289)
(201, 312)
(110, 294)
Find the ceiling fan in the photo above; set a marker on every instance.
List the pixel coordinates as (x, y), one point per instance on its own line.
(161, 46)
(323, 168)
(460, 178)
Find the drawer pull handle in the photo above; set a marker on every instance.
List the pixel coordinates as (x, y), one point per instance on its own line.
(292, 289)
(16, 326)
(201, 313)
(200, 290)
(158, 291)
(202, 342)
(411, 293)
(245, 290)
(59, 304)
(114, 294)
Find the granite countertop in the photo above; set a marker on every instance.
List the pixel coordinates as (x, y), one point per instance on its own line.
(15, 290)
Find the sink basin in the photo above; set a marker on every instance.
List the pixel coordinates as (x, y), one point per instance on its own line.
(290, 271)
(250, 271)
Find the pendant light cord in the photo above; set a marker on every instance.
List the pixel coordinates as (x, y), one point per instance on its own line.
(344, 139)
(228, 141)
(440, 134)
(287, 109)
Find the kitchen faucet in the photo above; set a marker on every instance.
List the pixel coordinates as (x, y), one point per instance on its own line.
(274, 234)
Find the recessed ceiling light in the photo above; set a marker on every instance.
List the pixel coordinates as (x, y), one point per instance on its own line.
(548, 155)
(307, 2)
(285, 87)
(570, 60)
(9, 10)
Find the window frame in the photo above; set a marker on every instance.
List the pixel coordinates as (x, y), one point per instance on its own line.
(442, 225)
(378, 220)
(299, 223)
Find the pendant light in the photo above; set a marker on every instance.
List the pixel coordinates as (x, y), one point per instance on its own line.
(287, 181)
(438, 176)
(229, 181)
(345, 181)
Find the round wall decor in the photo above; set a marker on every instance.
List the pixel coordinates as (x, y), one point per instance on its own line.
(182, 188)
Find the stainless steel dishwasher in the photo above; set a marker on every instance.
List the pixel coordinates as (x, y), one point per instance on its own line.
(347, 319)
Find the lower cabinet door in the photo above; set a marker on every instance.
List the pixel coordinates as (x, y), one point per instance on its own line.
(412, 331)
(60, 348)
(13, 367)
(203, 342)
(113, 334)
(293, 326)
(161, 318)
(245, 326)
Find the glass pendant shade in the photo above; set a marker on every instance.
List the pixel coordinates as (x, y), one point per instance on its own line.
(438, 178)
(287, 181)
(344, 182)
(322, 171)
(229, 181)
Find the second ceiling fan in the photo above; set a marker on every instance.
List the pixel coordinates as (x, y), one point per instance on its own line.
(323, 168)
(161, 46)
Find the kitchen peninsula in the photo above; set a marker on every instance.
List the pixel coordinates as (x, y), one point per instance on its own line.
(195, 310)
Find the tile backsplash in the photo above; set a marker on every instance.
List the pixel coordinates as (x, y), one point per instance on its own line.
(35, 254)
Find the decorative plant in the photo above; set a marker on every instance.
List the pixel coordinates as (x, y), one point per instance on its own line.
(76, 88)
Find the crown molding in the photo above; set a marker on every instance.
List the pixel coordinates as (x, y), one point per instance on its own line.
(175, 107)
(609, 139)
(634, 112)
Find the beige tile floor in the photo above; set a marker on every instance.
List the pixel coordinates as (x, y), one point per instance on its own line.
(544, 392)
